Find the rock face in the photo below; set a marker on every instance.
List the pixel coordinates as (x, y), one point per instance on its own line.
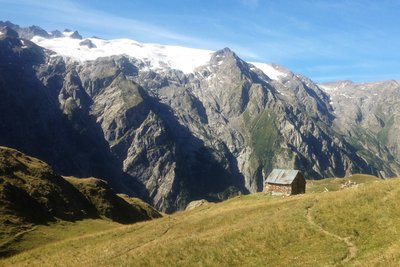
(368, 116)
(171, 137)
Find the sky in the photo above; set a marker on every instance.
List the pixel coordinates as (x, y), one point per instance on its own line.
(325, 40)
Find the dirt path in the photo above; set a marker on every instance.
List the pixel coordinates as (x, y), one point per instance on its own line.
(351, 247)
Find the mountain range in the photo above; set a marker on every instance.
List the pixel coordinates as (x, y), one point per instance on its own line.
(171, 124)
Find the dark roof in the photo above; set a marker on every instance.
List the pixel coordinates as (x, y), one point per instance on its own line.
(283, 177)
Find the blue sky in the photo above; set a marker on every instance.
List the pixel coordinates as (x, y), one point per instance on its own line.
(325, 40)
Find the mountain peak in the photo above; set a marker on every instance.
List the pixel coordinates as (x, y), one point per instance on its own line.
(8, 31)
(333, 86)
(225, 52)
(71, 34)
(228, 56)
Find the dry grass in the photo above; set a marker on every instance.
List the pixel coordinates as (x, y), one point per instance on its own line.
(335, 184)
(253, 230)
(57, 231)
(370, 215)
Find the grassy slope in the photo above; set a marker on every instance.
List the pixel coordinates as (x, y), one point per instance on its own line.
(249, 230)
(54, 232)
(34, 197)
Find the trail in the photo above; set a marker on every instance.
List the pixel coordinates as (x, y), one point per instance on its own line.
(351, 247)
(127, 250)
(5, 244)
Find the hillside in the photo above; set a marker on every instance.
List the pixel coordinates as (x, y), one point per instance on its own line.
(357, 226)
(32, 194)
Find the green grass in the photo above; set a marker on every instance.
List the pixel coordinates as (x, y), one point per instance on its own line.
(264, 138)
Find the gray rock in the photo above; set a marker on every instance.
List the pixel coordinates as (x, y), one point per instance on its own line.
(87, 43)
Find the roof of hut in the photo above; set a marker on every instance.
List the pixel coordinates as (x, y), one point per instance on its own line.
(282, 177)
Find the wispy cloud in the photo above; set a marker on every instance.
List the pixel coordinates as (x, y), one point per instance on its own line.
(356, 71)
(72, 14)
(75, 15)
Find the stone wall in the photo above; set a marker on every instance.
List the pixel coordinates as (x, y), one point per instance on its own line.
(280, 189)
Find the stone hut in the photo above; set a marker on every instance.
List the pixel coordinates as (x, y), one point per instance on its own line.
(285, 182)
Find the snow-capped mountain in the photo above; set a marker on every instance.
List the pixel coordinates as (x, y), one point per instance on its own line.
(171, 124)
(154, 56)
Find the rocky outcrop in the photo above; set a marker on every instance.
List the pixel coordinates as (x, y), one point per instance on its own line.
(196, 204)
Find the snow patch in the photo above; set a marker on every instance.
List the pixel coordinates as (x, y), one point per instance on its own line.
(346, 96)
(331, 87)
(272, 72)
(175, 57)
(68, 33)
(1, 33)
(23, 44)
(327, 88)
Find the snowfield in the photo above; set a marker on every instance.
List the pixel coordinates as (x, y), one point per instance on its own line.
(272, 72)
(176, 57)
(155, 55)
